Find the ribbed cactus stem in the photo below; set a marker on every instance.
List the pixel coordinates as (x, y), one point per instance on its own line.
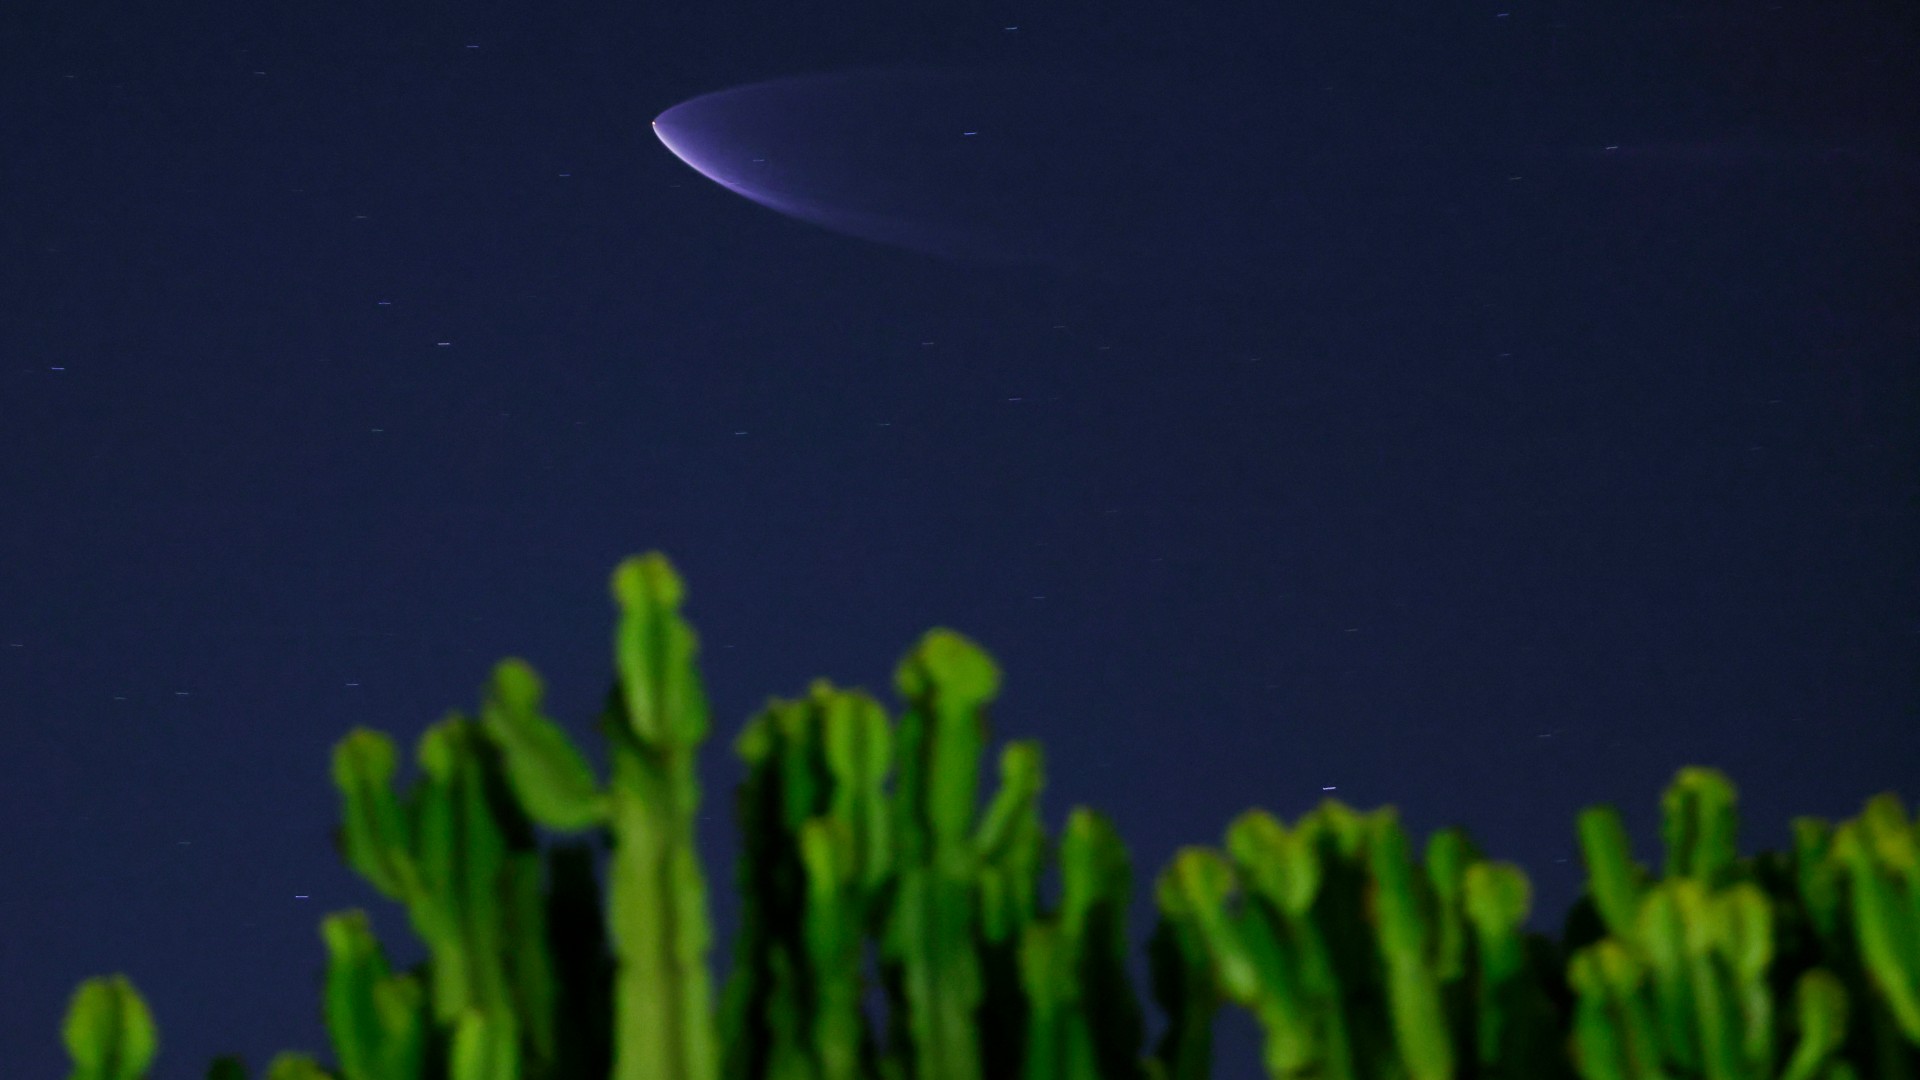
(377, 1020)
(109, 1032)
(815, 853)
(946, 682)
(656, 909)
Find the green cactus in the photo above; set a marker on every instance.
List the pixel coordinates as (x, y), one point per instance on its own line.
(814, 817)
(656, 898)
(1689, 992)
(1699, 826)
(931, 967)
(1085, 1021)
(377, 1020)
(1882, 862)
(109, 1032)
(1689, 980)
(1614, 881)
(551, 778)
(1010, 849)
(1186, 976)
(1359, 961)
(460, 854)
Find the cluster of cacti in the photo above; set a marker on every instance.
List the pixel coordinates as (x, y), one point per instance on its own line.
(1357, 960)
(1803, 965)
(1357, 963)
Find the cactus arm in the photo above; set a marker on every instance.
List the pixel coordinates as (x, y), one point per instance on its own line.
(373, 836)
(377, 1021)
(1419, 1025)
(1096, 887)
(1183, 983)
(109, 1032)
(1614, 879)
(1699, 825)
(549, 775)
(1821, 1002)
(1880, 865)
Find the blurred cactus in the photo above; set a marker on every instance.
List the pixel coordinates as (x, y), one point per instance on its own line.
(928, 959)
(816, 854)
(109, 1032)
(1359, 961)
(1083, 1020)
(1693, 974)
(656, 898)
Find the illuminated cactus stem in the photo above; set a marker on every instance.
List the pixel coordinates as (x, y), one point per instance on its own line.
(928, 948)
(1297, 996)
(1689, 992)
(1818, 881)
(109, 1032)
(556, 787)
(1413, 989)
(374, 835)
(549, 776)
(1685, 984)
(1880, 853)
(1182, 971)
(656, 904)
(461, 856)
(1010, 849)
(1084, 1022)
(815, 856)
(1514, 1023)
(377, 1020)
(1820, 1002)
(481, 868)
(1699, 826)
(1614, 1034)
(1614, 881)
(1010, 846)
(1343, 946)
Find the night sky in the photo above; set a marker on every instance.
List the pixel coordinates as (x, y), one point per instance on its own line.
(1487, 471)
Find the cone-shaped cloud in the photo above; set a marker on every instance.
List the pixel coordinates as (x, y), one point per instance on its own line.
(985, 166)
(1181, 179)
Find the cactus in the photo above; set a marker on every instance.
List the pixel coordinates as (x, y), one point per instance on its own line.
(1882, 861)
(377, 1019)
(1009, 850)
(656, 902)
(1358, 964)
(109, 1032)
(1687, 980)
(929, 963)
(814, 818)
(1188, 980)
(1359, 961)
(1083, 1021)
(460, 855)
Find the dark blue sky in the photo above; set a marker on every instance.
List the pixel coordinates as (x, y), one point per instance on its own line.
(344, 353)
